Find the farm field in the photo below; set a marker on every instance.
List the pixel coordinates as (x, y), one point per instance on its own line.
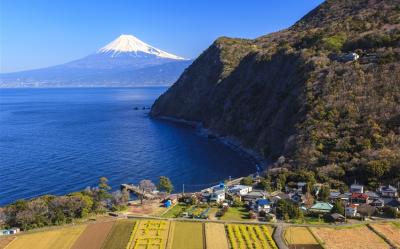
(62, 238)
(5, 241)
(216, 236)
(300, 237)
(188, 235)
(390, 231)
(150, 234)
(359, 237)
(250, 236)
(175, 211)
(120, 234)
(93, 236)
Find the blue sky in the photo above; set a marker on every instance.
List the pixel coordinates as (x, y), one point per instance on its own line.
(39, 33)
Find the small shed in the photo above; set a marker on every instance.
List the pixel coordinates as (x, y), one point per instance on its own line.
(337, 217)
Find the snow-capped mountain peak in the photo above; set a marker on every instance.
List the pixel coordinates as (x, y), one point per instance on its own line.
(131, 44)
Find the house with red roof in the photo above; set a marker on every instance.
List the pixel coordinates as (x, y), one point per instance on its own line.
(359, 198)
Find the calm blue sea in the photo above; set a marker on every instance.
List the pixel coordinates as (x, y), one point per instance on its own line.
(55, 141)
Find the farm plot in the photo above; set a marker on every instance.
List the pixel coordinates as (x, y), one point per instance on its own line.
(359, 237)
(188, 235)
(120, 235)
(215, 236)
(300, 237)
(150, 234)
(93, 236)
(390, 231)
(5, 241)
(250, 236)
(62, 238)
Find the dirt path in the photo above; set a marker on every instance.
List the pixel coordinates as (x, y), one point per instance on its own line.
(278, 236)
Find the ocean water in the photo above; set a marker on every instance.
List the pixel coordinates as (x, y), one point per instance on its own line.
(55, 141)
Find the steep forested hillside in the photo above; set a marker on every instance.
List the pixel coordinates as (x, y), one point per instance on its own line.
(299, 94)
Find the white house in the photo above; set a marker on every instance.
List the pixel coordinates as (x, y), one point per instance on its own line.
(240, 189)
(218, 196)
(356, 188)
(351, 210)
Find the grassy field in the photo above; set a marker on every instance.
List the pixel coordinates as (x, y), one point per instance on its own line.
(188, 235)
(120, 234)
(250, 236)
(62, 238)
(216, 236)
(300, 237)
(234, 213)
(175, 211)
(93, 236)
(151, 234)
(357, 237)
(390, 231)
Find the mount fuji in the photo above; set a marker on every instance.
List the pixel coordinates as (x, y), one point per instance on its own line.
(126, 61)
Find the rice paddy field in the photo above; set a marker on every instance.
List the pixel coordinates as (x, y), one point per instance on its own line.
(391, 231)
(5, 241)
(164, 234)
(188, 235)
(216, 236)
(358, 237)
(120, 234)
(300, 237)
(62, 238)
(94, 236)
(250, 236)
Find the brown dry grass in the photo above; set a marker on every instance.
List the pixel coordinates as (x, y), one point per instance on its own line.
(215, 236)
(148, 208)
(5, 241)
(93, 236)
(390, 231)
(359, 237)
(300, 237)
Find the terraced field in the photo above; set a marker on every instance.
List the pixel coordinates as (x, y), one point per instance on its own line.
(62, 238)
(250, 236)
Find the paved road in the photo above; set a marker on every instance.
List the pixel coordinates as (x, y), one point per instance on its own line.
(278, 236)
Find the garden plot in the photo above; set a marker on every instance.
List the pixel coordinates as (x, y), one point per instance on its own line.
(359, 237)
(250, 237)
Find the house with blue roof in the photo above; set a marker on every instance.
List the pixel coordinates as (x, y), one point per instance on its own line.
(262, 205)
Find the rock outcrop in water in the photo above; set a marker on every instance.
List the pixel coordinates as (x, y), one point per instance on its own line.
(304, 93)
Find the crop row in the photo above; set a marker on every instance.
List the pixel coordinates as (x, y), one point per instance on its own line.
(250, 237)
